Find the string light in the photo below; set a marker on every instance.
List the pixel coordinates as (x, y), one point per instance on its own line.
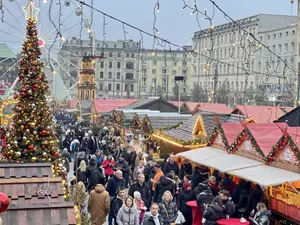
(62, 38)
(89, 30)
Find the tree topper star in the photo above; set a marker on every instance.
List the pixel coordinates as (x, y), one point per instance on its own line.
(30, 11)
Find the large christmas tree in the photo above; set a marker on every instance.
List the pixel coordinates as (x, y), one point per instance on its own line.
(32, 137)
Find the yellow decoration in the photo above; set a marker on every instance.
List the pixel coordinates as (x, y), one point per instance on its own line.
(33, 159)
(199, 128)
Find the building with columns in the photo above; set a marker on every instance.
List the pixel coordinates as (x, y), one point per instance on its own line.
(231, 45)
(127, 70)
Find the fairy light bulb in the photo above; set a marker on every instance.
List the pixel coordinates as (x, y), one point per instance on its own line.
(54, 72)
(89, 30)
(62, 38)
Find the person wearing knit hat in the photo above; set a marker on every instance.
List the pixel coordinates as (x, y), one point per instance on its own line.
(186, 195)
(140, 205)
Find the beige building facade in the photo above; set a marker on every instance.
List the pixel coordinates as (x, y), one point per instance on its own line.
(127, 70)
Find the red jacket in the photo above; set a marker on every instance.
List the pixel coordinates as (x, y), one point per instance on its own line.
(108, 166)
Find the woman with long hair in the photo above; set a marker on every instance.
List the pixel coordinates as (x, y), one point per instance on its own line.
(128, 214)
(81, 173)
(262, 215)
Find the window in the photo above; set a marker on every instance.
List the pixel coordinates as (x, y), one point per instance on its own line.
(154, 71)
(154, 62)
(118, 65)
(269, 37)
(109, 75)
(242, 85)
(130, 65)
(127, 55)
(221, 54)
(280, 35)
(286, 47)
(118, 87)
(144, 70)
(237, 85)
(232, 84)
(274, 48)
(164, 71)
(260, 38)
(174, 72)
(279, 48)
(119, 55)
(101, 64)
(109, 87)
(101, 87)
(286, 33)
(118, 75)
(110, 65)
(110, 54)
(132, 87)
(129, 76)
(101, 75)
(292, 47)
(225, 53)
(293, 32)
(225, 41)
(132, 55)
(251, 84)
(183, 72)
(274, 36)
(174, 63)
(144, 62)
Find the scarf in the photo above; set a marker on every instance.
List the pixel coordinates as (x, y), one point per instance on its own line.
(214, 186)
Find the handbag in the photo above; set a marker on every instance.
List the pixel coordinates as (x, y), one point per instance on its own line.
(165, 208)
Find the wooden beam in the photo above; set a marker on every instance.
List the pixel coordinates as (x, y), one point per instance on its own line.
(21, 165)
(41, 206)
(31, 180)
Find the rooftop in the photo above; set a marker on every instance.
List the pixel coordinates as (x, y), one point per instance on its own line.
(5, 52)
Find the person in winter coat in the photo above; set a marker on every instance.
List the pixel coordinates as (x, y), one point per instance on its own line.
(227, 184)
(256, 196)
(115, 183)
(204, 197)
(185, 169)
(168, 209)
(67, 159)
(212, 184)
(82, 173)
(197, 178)
(262, 215)
(138, 170)
(152, 217)
(213, 212)
(171, 165)
(142, 187)
(158, 174)
(108, 165)
(164, 184)
(128, 214)
(99, 205)
(140, 205)
(95, 176)
(99, 157)
(149, 171)
(116, 204)
(74, 149)
(185, 196)
(132, 158)
(122, 165)
(229, 206)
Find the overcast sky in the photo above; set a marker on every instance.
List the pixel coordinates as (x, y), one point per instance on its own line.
(173, 23)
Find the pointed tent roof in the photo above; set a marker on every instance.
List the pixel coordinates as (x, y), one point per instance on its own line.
(211, 107)
(5, 52)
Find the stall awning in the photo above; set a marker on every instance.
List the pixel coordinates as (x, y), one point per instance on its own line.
(218, 159)
(266, 175)
(200, 155)
(239, 166)
(72, 110)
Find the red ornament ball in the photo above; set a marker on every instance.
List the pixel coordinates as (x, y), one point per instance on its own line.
(35, 86)
(4, 202)
(31, 147)
(56, 154)
(44, 132)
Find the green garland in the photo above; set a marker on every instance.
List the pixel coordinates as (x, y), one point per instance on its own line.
(293, 146)
(254, 143)
(171, 127)
(276, 149)
(218, 130)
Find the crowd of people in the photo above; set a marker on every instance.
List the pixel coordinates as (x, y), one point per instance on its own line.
(119, 180)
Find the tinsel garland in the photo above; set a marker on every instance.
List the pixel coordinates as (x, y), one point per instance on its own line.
(219, 130)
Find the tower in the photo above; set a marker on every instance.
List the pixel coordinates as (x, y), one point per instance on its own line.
(86, 84)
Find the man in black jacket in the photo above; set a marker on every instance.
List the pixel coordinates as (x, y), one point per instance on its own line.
(116, 204)
(113, 185)
(152, 217)
(143, 188)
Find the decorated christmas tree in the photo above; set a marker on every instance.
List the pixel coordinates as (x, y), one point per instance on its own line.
(32, 137)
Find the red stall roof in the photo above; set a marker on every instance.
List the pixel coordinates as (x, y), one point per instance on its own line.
(261, 114)
(107, 105)
(218, 108)
(231, 131)
(266, 134)
(294, 132)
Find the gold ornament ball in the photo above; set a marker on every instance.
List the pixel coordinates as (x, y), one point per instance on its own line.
(27, 130)
(22, 127)
(11, 151)
(51, 142)
(32, 125)
(33, 159)
(27, 142)
(15, 142)
(49, 159)
(18, 154)
(34, 132)
(60, 165)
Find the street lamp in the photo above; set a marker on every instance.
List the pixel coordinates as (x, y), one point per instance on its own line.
(179, 78)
